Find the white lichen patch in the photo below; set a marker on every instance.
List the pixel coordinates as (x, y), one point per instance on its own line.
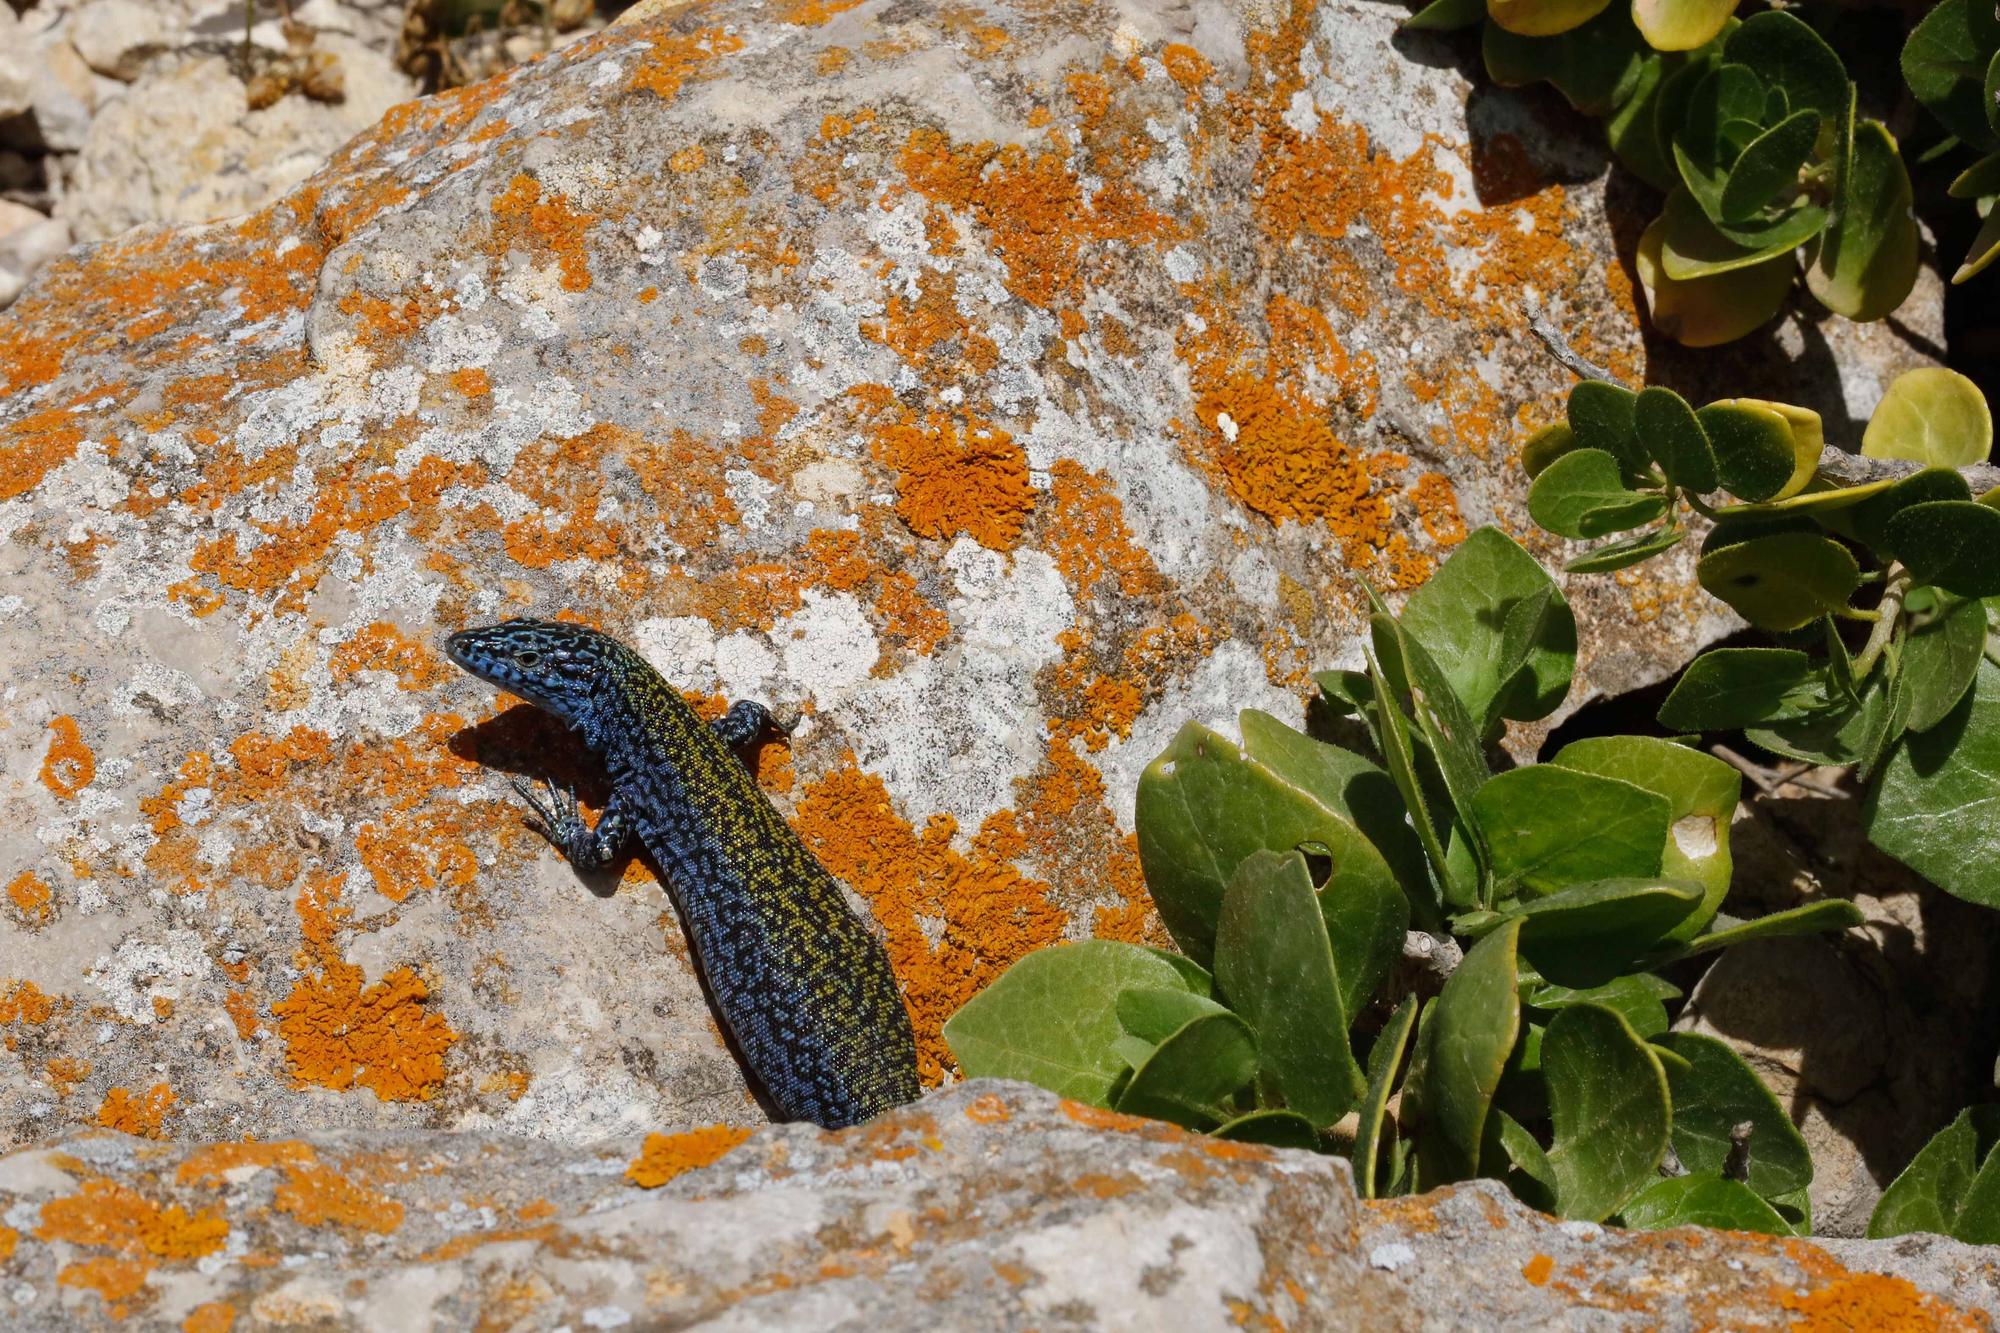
(142, 970)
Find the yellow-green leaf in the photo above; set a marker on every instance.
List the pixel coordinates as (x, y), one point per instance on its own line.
(1934, 416)
(1681, 25)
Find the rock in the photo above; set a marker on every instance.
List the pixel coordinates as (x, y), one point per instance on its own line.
(184, 146)
(1872, 1039)
(117, 37)
(15, 97)
(27, 241)
(61, 91)
(991, 1205)
(999, 392)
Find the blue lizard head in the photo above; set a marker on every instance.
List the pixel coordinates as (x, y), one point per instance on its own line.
(555, 665)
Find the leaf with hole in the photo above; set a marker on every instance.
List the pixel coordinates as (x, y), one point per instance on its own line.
(1276, 968)
(1583, 494)
(1935, 416)
(1052, 1017)
(1701, 793)
(1608, 1102)
(1782, 581)
(1203, 806)
(1714, 1091)
(1358, 791)
(1548, 827)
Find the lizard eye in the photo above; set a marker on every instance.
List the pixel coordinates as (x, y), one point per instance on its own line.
(527, 657)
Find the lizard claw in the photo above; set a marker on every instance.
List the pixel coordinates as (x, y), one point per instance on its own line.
(546, 818)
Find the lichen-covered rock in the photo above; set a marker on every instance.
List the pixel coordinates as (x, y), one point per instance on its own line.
(1002, 387)
(990, 1206)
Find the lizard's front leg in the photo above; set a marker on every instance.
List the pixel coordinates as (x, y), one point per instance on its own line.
(558, 819)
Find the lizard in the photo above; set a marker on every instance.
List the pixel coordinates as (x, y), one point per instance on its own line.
(805, 989)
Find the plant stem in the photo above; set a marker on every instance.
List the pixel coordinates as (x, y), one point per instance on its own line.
(1888, 613)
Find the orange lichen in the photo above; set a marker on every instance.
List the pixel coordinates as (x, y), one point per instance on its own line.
(104, 1214)
(33, 899)
(212, 1163)
(1537, 1270)
(26, 1004)
(339, 1032)
(674, 58)
(382, 646)
(975, 483)
(1437, 507)
(523, 218)
(142, 1115)
(69, 765)
(982, 912)
(65, 1072)
(665, 1156)
(211, 1317)
(8, 1238)
(318, 1195)
(988, 1109)
(116, 1280)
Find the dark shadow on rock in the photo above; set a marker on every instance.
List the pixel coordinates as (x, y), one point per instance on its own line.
(1526, 139)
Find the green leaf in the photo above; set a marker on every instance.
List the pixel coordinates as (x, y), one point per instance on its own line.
(1701, 793)
(1980, 179)
(1933, 415)
(1154, 1013)
(1769, 166)
(1635, 997)
(1937, 806)
(1469, 1032)
(1383, 1061)
(1728, 688)
(1940, 65)
(1193, 975)
(1601, 416)
(1673, 435)
(1693, 245)
(1392, 732)
(1631, 128)
(1596, 66)
(1701, 1201)
(1450, 732)
(1985, 246)
(1756, 458)
(1583, 494)
(1946, 1188)
(1052, 1017)
(1352, 787)
(1681, 25)
(1710, 311)
(1510, 1153)
(1586, 934)
(1447, 15)
(1865, 262)
(1548, 827)
(1954, 544)
(1832, 914)
(1276, 968)
(1203, 806)
(1713, 1092)
(1940, 662)
(1608, 1101)
(1272, 1128)
(1789, 55)
(1545, 446)
(1192, 1077)
(1872, 515)
(1462, 614)
(1782, 581)
(1632, 550)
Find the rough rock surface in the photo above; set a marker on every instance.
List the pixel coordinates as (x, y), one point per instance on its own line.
(1004, 388)
(184, 145)
(991, 1205)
